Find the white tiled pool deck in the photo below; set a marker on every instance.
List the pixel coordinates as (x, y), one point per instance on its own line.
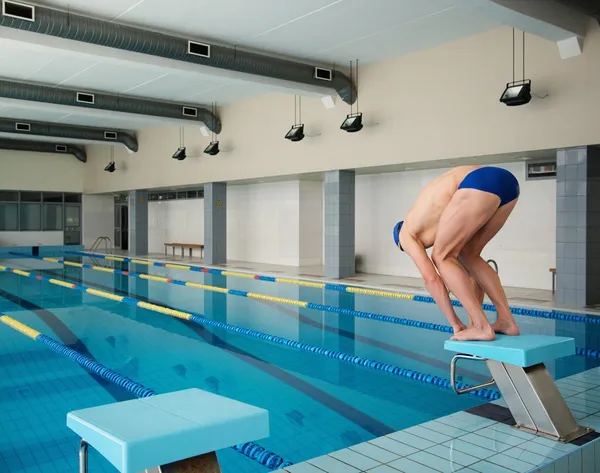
(467, 443)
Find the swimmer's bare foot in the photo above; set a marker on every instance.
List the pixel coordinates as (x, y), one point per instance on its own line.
(507, 327)
(459, 327)
(475, 333)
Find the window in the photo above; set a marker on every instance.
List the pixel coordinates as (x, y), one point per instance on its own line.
(31, 196)
(9, 217)
(72, 215)
(54, 197)
(72, 198)
(192, 194)
(9, 196)
(181, 195)
(31, 217)
(53, 217)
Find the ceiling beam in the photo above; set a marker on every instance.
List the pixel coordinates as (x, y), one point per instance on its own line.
(548, 19)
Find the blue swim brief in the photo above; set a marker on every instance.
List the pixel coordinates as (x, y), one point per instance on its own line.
(494, 180)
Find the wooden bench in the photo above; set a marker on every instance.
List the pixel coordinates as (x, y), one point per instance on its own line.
(553, 271)
(183, 246)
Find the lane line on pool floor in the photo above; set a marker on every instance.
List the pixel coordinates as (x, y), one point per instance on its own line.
(320, 351)
(354, 415)
(340, 287)
(249, 449)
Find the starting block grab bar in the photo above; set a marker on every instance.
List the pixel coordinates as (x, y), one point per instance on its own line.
(518, 370)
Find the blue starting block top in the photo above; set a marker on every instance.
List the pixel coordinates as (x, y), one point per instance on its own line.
(522, 350)
(145, 433)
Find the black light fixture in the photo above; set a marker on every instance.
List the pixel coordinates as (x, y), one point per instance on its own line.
(180, 155)
(517, 92)
(213, 148)
(353, 121)
(296, 133)
(110, 167)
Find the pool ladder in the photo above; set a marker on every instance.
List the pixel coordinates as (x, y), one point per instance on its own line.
(99, 241)
(493, 263)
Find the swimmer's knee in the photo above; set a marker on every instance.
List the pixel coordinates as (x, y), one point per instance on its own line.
(440, 256)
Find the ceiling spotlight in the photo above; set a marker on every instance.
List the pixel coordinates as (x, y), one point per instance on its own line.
(296, 133)
(180, 154)
(517, 93)
(352, 123)
(213, 148)
(110, 167)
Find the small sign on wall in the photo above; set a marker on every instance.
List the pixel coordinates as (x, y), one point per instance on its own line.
(219, 203)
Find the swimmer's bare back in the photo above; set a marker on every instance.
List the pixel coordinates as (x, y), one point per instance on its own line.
(423, 217)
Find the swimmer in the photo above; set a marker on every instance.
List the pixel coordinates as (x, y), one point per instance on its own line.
(457, 214)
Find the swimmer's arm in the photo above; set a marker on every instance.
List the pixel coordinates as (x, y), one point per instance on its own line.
(433, 281)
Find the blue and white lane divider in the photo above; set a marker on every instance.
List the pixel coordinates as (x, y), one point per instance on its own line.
(544, 314)
(317, 350)
(249, 449)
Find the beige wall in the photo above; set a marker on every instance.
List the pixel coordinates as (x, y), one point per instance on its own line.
(437, 104)
(21, 170)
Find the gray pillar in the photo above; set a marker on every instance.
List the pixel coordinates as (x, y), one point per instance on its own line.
(339, 224)
(138, 223)
(578, 226)
(215, 223)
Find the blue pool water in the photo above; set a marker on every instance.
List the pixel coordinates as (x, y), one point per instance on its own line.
(316, 404)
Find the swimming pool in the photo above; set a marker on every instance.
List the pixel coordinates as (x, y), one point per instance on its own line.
(317, 404)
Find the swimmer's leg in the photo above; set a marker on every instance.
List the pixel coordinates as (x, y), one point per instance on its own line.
(471, 258)
(467, 212)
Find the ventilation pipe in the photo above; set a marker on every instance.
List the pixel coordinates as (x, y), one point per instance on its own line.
(114, 103)
(47, 21)
(44, 147)
(57, 130)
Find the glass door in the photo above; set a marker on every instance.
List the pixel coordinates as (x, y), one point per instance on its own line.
(72, 224)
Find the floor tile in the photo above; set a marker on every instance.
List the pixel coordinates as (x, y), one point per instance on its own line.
(450, 431)
(408, 466)
(453, 455)
(434, 462)
(527, 456)
(490, 444)
(494, 434)
(563, 447)
(399, 448)
(487, 467)
(331, 465)
(514, 464)
(411, 440)
(561, 465)
(512, 431)
(470, 449)
(374, 452)
(575, 462)
(588, 459)
(355, 459)
(467, 470)
(466, 421)
(303, 468)
(427, 434)
(543, 450)
(383, 469)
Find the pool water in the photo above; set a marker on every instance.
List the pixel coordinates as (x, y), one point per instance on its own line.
(317, 405)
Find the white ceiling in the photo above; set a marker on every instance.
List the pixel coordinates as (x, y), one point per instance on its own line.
(317, 31)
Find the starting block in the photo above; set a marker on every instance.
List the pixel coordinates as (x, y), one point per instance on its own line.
(169, 433)
(517, 368)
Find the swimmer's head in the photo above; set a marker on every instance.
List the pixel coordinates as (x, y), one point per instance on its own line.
(397, 229)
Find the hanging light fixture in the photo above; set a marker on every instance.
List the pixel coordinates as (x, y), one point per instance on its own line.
(517, 92)
(296, 133)
(110, 167)
(180, 155)
(353, 121)
(213, 148)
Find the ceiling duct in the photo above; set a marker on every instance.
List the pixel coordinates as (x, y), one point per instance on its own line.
(44, 147)
(75, 27)
(588, 7)
(114, 103)
(57, 130)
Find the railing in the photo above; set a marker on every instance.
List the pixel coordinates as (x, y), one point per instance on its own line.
(99, 241)
(491, 262)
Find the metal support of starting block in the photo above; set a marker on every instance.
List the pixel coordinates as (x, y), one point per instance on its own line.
(532, 397)
(206, 463)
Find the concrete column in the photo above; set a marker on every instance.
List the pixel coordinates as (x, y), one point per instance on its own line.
(138, 222)
(578, 226)
(339, 224)
(215, 223)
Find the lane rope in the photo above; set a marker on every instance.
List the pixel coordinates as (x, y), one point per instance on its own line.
(306, 347)
(249, 449)
(545, 314)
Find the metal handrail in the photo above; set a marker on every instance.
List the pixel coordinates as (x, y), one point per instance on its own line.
(453, 375)
(99, 241)
(493, 263)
